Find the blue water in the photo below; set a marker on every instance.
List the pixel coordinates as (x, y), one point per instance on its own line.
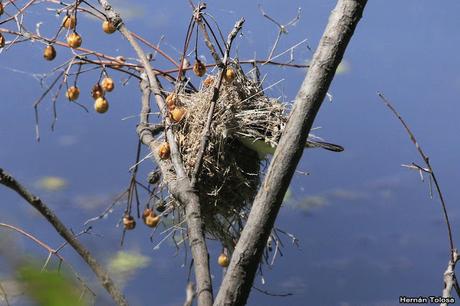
(367, 229)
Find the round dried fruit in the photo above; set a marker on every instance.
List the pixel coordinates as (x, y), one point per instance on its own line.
(101, 105)
(229, 74)
(178, 113)
(2, 41)
(199, 68)
(152, 220)
(164, 151)
(223, 260)
(108, 84)
(50, 53)
(69, 22)
(72, 93)
(97, 91)
(128, 222)
(171, 101)
(74, 40)
(108, 27)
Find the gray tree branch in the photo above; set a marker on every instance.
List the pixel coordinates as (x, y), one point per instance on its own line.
(104, 278)
(181, 189)
(240, 275)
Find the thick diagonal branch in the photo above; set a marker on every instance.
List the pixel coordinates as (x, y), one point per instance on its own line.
(104, 278)
(237, 283)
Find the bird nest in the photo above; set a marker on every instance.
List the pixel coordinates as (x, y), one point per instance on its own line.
(231, 172)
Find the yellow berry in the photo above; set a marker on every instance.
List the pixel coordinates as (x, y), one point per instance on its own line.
(74, 40)
(164, 151)
(178, 113)
(199, 68)
(129, 223)
(97, 91)
(50, 53)
(108, 27)
(72, 93)
(2, 41)
(152, 220)
(229, 74)
(69, 22)
(101, 105)
(107, 84)
(171, 101)
(223, 260)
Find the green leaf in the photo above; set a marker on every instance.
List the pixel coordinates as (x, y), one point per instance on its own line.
(49, 288)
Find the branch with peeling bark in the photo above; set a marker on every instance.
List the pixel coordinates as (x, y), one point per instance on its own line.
(104, 278)
(237, 283)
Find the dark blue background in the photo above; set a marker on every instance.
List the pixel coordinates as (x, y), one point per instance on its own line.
(368, 230)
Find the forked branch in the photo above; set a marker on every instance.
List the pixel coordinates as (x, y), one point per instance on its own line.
(450, 280)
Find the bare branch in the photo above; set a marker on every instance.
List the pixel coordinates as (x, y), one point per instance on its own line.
(181, 188)
(248, 251)
(450, 280)
(116, 294)
(428, 169)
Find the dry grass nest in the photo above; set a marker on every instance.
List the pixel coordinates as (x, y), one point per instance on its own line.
(231, 172)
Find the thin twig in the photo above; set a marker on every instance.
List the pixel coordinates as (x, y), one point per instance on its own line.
(272, 294)
(206, 38)
(450, 279)
(106, 281)
(430, 170)
(215, 97)
(282, 28)
(51, 252)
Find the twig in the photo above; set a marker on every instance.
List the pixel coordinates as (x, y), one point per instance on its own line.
(51, 252)
(215, 97)
(272, 294)
(39, 100)
(450, 279)
(206, 38)
(282, 28)
(116, 294)
(428, 169)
